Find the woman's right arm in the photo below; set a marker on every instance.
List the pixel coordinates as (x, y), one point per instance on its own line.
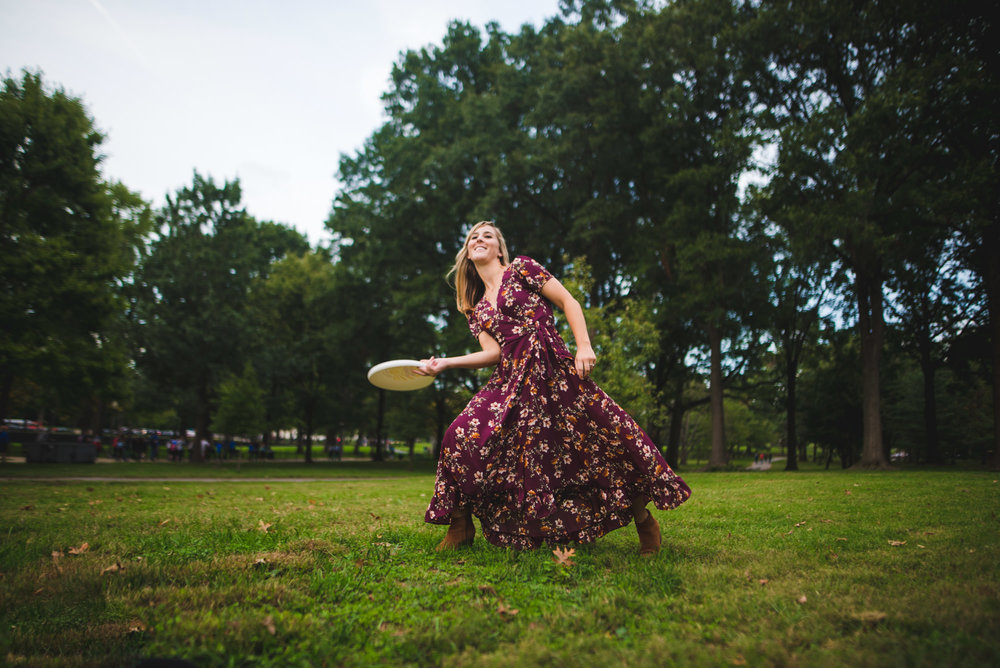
(488, 356)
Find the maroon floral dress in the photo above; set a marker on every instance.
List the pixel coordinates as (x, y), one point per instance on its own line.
(539, 455)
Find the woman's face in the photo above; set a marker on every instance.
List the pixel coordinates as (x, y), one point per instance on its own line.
(483, 244)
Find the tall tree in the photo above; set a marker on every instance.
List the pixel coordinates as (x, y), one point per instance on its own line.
(191, 319)
(859, 140)
(65, 241)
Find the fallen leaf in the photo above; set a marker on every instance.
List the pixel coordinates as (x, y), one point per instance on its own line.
(269, 625)
(827, 521)
(164, 522)
(847, 492)
(800, 523)
(505, 611)
(870, 617)
(94, 502)
(841, 539)
(113, 568)
(564, 557)
(488, 589)
(763, 581)
(897, 543)
(920, 546)
(802, 599)
(263, 526)
(56, 555)
(79, 550)
(137, 627)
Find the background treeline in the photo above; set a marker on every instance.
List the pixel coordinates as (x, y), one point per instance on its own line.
(782, 218)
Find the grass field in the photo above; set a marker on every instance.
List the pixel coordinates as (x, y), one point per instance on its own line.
(786, 569)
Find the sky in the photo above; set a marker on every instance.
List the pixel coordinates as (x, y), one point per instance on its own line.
(270, 92)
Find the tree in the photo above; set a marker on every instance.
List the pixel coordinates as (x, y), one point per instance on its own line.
(67, 240)
(241, 405)
(860, 140)
(191, 320)
(305, 340)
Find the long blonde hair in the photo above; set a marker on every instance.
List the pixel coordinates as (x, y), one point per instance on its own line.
(469, 288)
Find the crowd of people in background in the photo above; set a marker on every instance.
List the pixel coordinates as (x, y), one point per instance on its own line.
(129, 445)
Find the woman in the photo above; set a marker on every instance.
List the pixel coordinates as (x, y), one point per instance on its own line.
(541, 454)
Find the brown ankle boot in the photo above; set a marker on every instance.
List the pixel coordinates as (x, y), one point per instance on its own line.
(649, 535)
(460, 533)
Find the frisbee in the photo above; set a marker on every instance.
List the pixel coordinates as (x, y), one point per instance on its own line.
(398, 375)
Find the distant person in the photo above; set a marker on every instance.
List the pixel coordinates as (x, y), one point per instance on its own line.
(540, 454)
(4, 443)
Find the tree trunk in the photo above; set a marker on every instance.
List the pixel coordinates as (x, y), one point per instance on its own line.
(676, 424)
(441, 406)
(868, 283)
(308, 441)
(202, 420)
(717, 458)
(930, 404)
(377, 451)
(991, 282)
(791, 436)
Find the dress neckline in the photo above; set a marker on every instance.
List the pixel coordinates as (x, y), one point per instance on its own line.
(503, 277)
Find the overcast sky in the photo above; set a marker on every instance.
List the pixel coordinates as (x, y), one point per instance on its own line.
(271, 92)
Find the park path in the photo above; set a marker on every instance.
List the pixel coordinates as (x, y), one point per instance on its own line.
(176, 479)
(764, 466)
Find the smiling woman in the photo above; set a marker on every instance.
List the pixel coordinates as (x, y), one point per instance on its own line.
(541, 454)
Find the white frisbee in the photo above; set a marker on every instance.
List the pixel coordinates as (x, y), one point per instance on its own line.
(398, 375)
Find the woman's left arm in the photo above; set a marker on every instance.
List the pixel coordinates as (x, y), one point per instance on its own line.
(554, 291)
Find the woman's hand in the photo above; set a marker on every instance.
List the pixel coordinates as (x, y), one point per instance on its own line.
(430, 367)
(585, 360)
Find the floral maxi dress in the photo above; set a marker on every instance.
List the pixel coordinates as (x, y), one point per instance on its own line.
(540, 455)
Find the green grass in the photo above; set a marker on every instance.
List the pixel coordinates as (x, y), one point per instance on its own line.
(228, 469)
(807, 569)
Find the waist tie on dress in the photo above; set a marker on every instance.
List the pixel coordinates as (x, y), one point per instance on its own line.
(547, 350)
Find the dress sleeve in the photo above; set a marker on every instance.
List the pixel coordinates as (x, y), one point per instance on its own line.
(533, 274)
(474, 325)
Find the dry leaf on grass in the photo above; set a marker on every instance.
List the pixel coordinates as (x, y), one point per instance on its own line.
(505, 611)
(897, 543)
(79, 550)
(269, 625)
(870, 618)
(113, 568)
(802, 599)
(56, 555)
(263, 526)
(564, 557)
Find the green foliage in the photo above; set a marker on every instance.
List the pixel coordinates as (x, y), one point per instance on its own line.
(241, 405)
(191, 316)
(69, 242)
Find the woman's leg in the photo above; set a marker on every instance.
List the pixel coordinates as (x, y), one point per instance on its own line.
(461, 531)
(647, 527)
